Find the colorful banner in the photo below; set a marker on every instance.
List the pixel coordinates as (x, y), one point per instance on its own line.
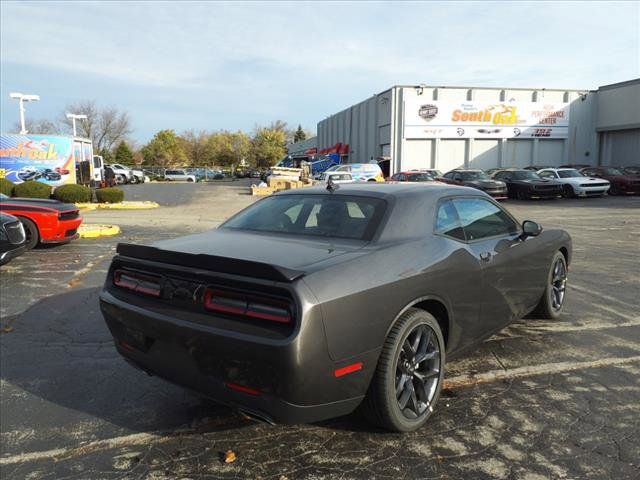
(45, 158)
(435, 119)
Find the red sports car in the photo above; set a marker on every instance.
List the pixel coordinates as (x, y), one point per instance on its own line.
(45, 221)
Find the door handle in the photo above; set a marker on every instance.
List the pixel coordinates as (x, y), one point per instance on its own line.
(485, 256)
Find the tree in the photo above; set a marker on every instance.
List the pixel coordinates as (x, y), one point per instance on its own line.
(195, 146)
(124, 155)
(105, 126)
(38, 126)
(164, 150)
(268, 146)
(300, 135)
(107, 156)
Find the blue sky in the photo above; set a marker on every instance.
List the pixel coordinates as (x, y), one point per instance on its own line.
(214, 65)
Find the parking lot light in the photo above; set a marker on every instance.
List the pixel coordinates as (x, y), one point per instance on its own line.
(21, 97)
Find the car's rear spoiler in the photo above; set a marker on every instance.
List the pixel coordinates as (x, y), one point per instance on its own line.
(210, 262)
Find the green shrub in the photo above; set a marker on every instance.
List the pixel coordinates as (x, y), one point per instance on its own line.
(32, 189)
(110, 195)
(6, 187)
(72, 193)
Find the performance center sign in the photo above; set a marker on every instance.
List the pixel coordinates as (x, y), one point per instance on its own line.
(424, 119)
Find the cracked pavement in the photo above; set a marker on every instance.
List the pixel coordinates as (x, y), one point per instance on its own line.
(540, 400)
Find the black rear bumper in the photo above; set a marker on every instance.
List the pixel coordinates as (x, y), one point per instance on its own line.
(281, 382)
(7, 255)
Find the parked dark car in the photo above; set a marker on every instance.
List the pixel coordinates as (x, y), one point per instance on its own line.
(525, 184)
(535, 168)
(312, 301)
(12, 238)
(476, 179)
(621, 183)
(631, 170)
(51, 175)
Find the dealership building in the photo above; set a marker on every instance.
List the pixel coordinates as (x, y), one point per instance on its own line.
(444, 127)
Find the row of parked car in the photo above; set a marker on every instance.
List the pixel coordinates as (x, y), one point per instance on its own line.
(26, 222)
(533, 182)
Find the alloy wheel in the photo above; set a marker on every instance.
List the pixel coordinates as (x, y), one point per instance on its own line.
(417, 371)
(558, 284)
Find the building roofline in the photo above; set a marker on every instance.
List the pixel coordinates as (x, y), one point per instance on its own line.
(634, 81)
(467, 87)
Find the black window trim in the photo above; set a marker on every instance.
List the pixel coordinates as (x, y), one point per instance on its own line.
(477, 240)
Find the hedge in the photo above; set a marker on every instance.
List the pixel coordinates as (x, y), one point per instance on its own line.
(110, 195)
(72, 193)
(32, 189)
(6, 187)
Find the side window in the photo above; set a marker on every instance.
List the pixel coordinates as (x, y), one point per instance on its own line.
(457, 177)
(447, 222)
(448, 175)
(481, 218)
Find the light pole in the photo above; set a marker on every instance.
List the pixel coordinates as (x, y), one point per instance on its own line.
(21, 97)
(73, 118)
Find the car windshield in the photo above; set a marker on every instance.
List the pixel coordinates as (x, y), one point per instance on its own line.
(474, 176)
(569, 173)
(419, 177)
(612, 171)
(3, 196)
(337, 216)
(526, 175)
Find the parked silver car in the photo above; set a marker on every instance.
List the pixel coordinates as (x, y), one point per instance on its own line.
(179, 175)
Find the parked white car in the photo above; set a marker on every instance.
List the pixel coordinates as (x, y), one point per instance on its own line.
(336, 177)
(122, 174)
(179, 175)
(575, 184)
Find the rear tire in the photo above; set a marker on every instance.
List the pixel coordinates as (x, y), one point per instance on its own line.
(31, 231)
(552, 301)
(409, 375)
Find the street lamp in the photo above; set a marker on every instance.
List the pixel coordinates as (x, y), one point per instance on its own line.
(21, 97)
(73, 118)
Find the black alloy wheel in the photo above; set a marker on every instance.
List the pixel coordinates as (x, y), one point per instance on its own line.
(417, 371)
(567, 191)
(552, 301)
(409, 375)
(31, 232)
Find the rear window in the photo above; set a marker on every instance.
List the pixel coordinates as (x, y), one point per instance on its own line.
(338, 216)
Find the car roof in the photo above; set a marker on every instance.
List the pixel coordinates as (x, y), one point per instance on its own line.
(387, 189)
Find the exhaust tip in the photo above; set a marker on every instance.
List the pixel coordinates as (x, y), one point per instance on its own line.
(256, 416)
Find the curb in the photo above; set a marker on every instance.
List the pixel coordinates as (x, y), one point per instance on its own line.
(88, 230)
(118, 206)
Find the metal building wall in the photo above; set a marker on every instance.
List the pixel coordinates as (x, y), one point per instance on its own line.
(366, 127)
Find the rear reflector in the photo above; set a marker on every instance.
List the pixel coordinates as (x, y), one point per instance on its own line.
(354, 367)
(247, 306)
(137, 282)
(241, 388)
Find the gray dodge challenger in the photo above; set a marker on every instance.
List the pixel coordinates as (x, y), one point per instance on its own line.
(313, 302)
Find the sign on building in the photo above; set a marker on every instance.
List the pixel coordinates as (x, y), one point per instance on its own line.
(436, 119)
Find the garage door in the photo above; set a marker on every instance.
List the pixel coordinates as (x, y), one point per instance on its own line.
(484, 154)
(550, 152)
(517, 153)
(451, 154)
(416, 154)
(620, 147)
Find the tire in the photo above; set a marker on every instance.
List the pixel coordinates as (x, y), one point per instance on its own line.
(371, 180)
(133, 180)
(552, 301)
(190, 180)
(382, 405)
(613, 190)
(120, 180)
(31, 231)
(567, 191)
(521, 195)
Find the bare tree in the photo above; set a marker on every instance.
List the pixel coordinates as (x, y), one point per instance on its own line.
(104, 126)
(38, 126)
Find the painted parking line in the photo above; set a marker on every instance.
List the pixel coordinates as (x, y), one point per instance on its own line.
(459, 381)
(491, 376)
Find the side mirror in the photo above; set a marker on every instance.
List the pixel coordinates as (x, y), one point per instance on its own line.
(530, 229)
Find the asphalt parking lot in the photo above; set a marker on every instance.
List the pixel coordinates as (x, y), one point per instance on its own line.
(540, 400)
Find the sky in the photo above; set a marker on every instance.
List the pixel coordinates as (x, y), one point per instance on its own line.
(217, 65)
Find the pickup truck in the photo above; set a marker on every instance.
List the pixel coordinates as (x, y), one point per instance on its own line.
(127, 175)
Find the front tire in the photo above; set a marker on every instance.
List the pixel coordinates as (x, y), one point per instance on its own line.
(31, 231)
(552, 301)
(407, 382)
(568, 192)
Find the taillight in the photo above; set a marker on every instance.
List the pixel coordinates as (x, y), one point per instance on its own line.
(137, 282)
(246, 305)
